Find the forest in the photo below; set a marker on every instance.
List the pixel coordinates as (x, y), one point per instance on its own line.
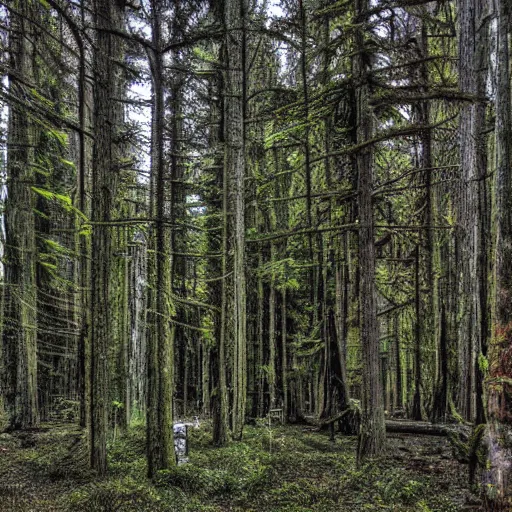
(280, 228)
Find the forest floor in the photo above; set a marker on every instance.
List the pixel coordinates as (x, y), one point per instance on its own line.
(288, 469)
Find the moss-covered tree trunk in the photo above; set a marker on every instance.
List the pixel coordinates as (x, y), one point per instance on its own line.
(468, 210)
(498, 478)
(372, 434)
(20, 307)
(217, 199)
(234, 19)
(160, 443)
(108, 17)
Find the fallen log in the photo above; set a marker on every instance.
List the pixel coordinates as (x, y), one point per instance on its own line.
(416, 427)
(424, 428)
(427, 429)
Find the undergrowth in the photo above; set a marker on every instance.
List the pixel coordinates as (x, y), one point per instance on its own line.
(276, 469)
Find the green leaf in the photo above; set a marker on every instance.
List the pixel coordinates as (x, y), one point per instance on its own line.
(68, 162)
(44, 193)
(483, 363)
(60, 137)
(85, 230)
(48, 265)
(65, 201)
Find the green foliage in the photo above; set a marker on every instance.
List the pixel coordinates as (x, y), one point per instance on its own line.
(483, 363)
(304, 473)
(273, 136)
(41, 99)
(395, 488)
(63, 200)
(115, 495)
(130, 446)
(117, 405)
(205, 56)
(66, 410)
(190, 478)
(284, 272)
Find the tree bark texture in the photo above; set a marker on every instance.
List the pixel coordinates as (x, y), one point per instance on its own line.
(234, 12)
(372, 435)
(20, 307)
(498, 478)
(160, 442)
(108, 16)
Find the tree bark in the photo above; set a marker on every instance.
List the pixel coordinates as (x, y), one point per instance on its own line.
(108, 16)
(20, 305)
(498, 478)
(469, 221)
(160, 442)
(234, 19)
(372, 435)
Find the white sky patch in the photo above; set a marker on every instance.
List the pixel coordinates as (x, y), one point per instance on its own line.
(140, 115)
(275, 9)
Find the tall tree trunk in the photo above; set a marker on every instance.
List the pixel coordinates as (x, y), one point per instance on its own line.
(234, 18)
(469, 333)
(160, 443)
(218, 267)
(428, 301)
(482, 59)
(108, 16)
(137, 351)
(499, 387)
(272, 306)
(416, 403)
(373, 434)
(20, 306)
(284, 355)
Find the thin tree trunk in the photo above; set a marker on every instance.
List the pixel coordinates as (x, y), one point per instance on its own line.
(416, 405)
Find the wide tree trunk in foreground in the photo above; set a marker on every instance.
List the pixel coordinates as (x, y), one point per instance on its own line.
(20, 307)
(471, 123)
(498, 478)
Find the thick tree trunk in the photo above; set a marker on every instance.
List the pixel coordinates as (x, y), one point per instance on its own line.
(498, 478)
(137, 367)
(372, 435)
(469, 222)
(160, 442)
(234, 14)
(108, 16)
(482, 58)
(218, 267)
(20, 306)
